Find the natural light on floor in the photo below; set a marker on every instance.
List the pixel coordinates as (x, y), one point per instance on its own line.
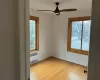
(32, 76)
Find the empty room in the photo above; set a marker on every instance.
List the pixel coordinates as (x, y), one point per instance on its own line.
(59, 39)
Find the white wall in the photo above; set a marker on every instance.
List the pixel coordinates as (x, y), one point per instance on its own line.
(60, 38)
(45, 34)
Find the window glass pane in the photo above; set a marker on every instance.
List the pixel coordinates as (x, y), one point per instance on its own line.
(86, 35)
(32, 34)
(76, 34)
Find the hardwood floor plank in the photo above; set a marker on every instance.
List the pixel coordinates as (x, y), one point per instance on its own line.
(56, 69)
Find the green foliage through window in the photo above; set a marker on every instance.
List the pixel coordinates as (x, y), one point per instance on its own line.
(32, 34)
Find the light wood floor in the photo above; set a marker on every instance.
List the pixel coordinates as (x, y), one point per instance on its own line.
(56, 69)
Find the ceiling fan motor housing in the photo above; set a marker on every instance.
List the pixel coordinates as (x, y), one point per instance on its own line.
(57, 11)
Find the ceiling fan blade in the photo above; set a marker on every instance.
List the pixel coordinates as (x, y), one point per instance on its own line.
(66, 10)
(44, 10)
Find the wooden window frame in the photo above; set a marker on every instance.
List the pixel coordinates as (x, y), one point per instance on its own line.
(37, 32)
(70, 20)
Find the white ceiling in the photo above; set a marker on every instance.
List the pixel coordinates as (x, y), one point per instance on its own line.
(64, 4)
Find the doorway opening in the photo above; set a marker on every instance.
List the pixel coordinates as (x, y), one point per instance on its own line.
(61, 41)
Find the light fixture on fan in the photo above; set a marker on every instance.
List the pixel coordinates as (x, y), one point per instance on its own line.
(57, 11)
(57, 14)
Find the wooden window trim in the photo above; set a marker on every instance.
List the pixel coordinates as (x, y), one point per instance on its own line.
(70, 20)
(37, 32)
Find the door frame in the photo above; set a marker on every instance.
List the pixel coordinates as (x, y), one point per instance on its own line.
(23, 19)
(23, 29)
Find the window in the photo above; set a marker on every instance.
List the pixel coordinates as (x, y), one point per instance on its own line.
(34, 35)
(79, 35)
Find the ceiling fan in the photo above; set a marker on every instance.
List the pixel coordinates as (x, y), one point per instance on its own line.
(57, 10)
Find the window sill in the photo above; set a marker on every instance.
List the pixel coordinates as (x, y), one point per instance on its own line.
(33, 51)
